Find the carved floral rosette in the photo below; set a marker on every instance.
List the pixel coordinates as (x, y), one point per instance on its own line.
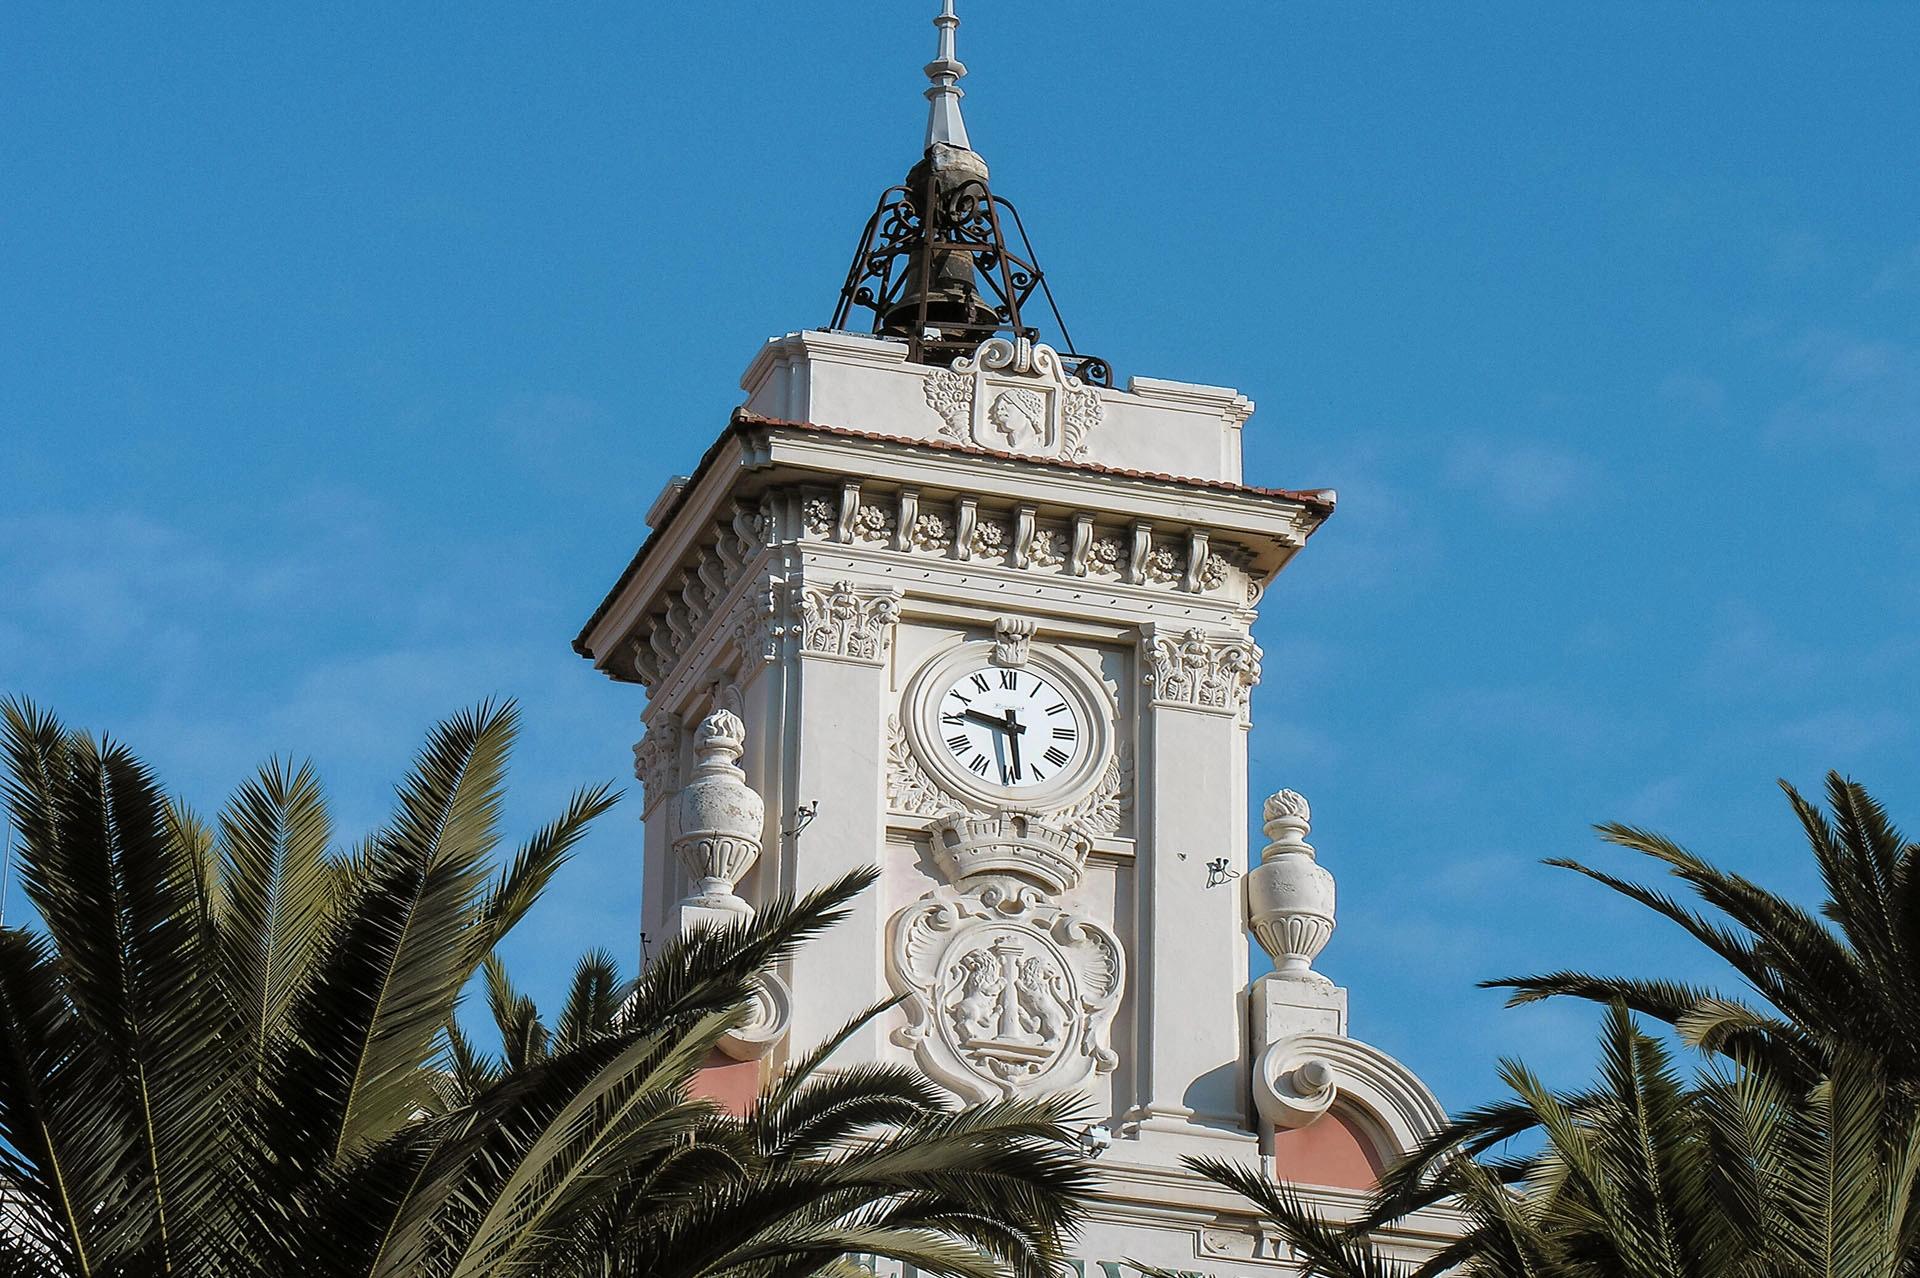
(1005, 992)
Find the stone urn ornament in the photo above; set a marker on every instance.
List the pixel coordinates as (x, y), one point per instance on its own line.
(1289, 894)
(720, 822)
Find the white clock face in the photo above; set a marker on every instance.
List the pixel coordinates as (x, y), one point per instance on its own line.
(1010, 728)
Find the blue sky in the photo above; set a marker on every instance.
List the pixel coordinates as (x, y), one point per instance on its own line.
(344, 348)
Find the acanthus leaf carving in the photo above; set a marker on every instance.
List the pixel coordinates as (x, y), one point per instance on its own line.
(848, 623)
(1207, 672)
(656, 760)
(950, 395)
(1012, 641)
(1102, 812)
(909, 788)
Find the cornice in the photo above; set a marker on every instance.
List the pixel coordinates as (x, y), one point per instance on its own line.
(1194, 529)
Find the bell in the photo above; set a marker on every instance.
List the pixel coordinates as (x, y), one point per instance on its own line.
(954, 306)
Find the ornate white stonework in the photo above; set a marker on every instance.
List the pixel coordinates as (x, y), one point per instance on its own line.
(1104, 809)
(720, 817)
(757, 628)
(1015, 396)
(1194, 668)
(968, 840)
(1290, 896)
(969, 844)
(656, 760)
(909, 788)
(1012, 641)
(1006, 992)
(842, 621)
(769, 1016)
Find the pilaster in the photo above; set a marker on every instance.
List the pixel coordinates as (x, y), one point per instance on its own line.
(1190, 1023)
(837, 701)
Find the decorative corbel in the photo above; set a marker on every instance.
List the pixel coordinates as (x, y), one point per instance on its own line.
(1196, 560)
(1142, 547)
(1082, 544)
(903, 525)
(1023, 525)
(966, 515)
(849, 511)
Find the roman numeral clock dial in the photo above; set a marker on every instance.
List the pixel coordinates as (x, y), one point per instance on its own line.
(1010, 728)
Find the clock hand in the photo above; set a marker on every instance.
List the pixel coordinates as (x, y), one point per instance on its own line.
(1013, 730)
(994, 721)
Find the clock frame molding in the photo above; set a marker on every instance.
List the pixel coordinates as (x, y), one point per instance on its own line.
(1093, 708)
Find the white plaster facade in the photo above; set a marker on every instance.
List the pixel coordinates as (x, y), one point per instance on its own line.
(868, 534)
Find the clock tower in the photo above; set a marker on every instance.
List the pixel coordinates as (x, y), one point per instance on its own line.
(945, 598)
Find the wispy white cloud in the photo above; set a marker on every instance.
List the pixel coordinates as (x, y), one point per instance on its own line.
(1378, 536)
(1862, 393)
(1518, 717)
(1746, 649)
(1522, 478)
(1795, 252)
(1843, 733)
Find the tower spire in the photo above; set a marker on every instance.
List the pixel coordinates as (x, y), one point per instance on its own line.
(944, 263)
(944, 122)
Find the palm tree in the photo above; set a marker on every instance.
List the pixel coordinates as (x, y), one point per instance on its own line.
(1846, 979)
(1793, 1153)
(1645, 1175)
(827, 1163)
(229, 1055)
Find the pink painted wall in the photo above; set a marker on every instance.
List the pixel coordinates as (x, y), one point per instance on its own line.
(731, 1084)
(1333, 1151)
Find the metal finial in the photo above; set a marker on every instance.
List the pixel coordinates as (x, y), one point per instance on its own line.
(944, 123)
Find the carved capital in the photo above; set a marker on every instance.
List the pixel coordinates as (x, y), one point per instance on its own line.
(757, 627)
(1012, 641)
(846, 623)
(656, 760)
(1195, 669)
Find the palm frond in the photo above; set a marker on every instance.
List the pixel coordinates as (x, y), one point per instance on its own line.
(272, 845)
(391, 968)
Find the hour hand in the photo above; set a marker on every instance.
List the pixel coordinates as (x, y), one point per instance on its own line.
(994, 721)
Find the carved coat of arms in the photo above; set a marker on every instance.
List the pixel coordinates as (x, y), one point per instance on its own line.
(1015, 396)
(1006, 992)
